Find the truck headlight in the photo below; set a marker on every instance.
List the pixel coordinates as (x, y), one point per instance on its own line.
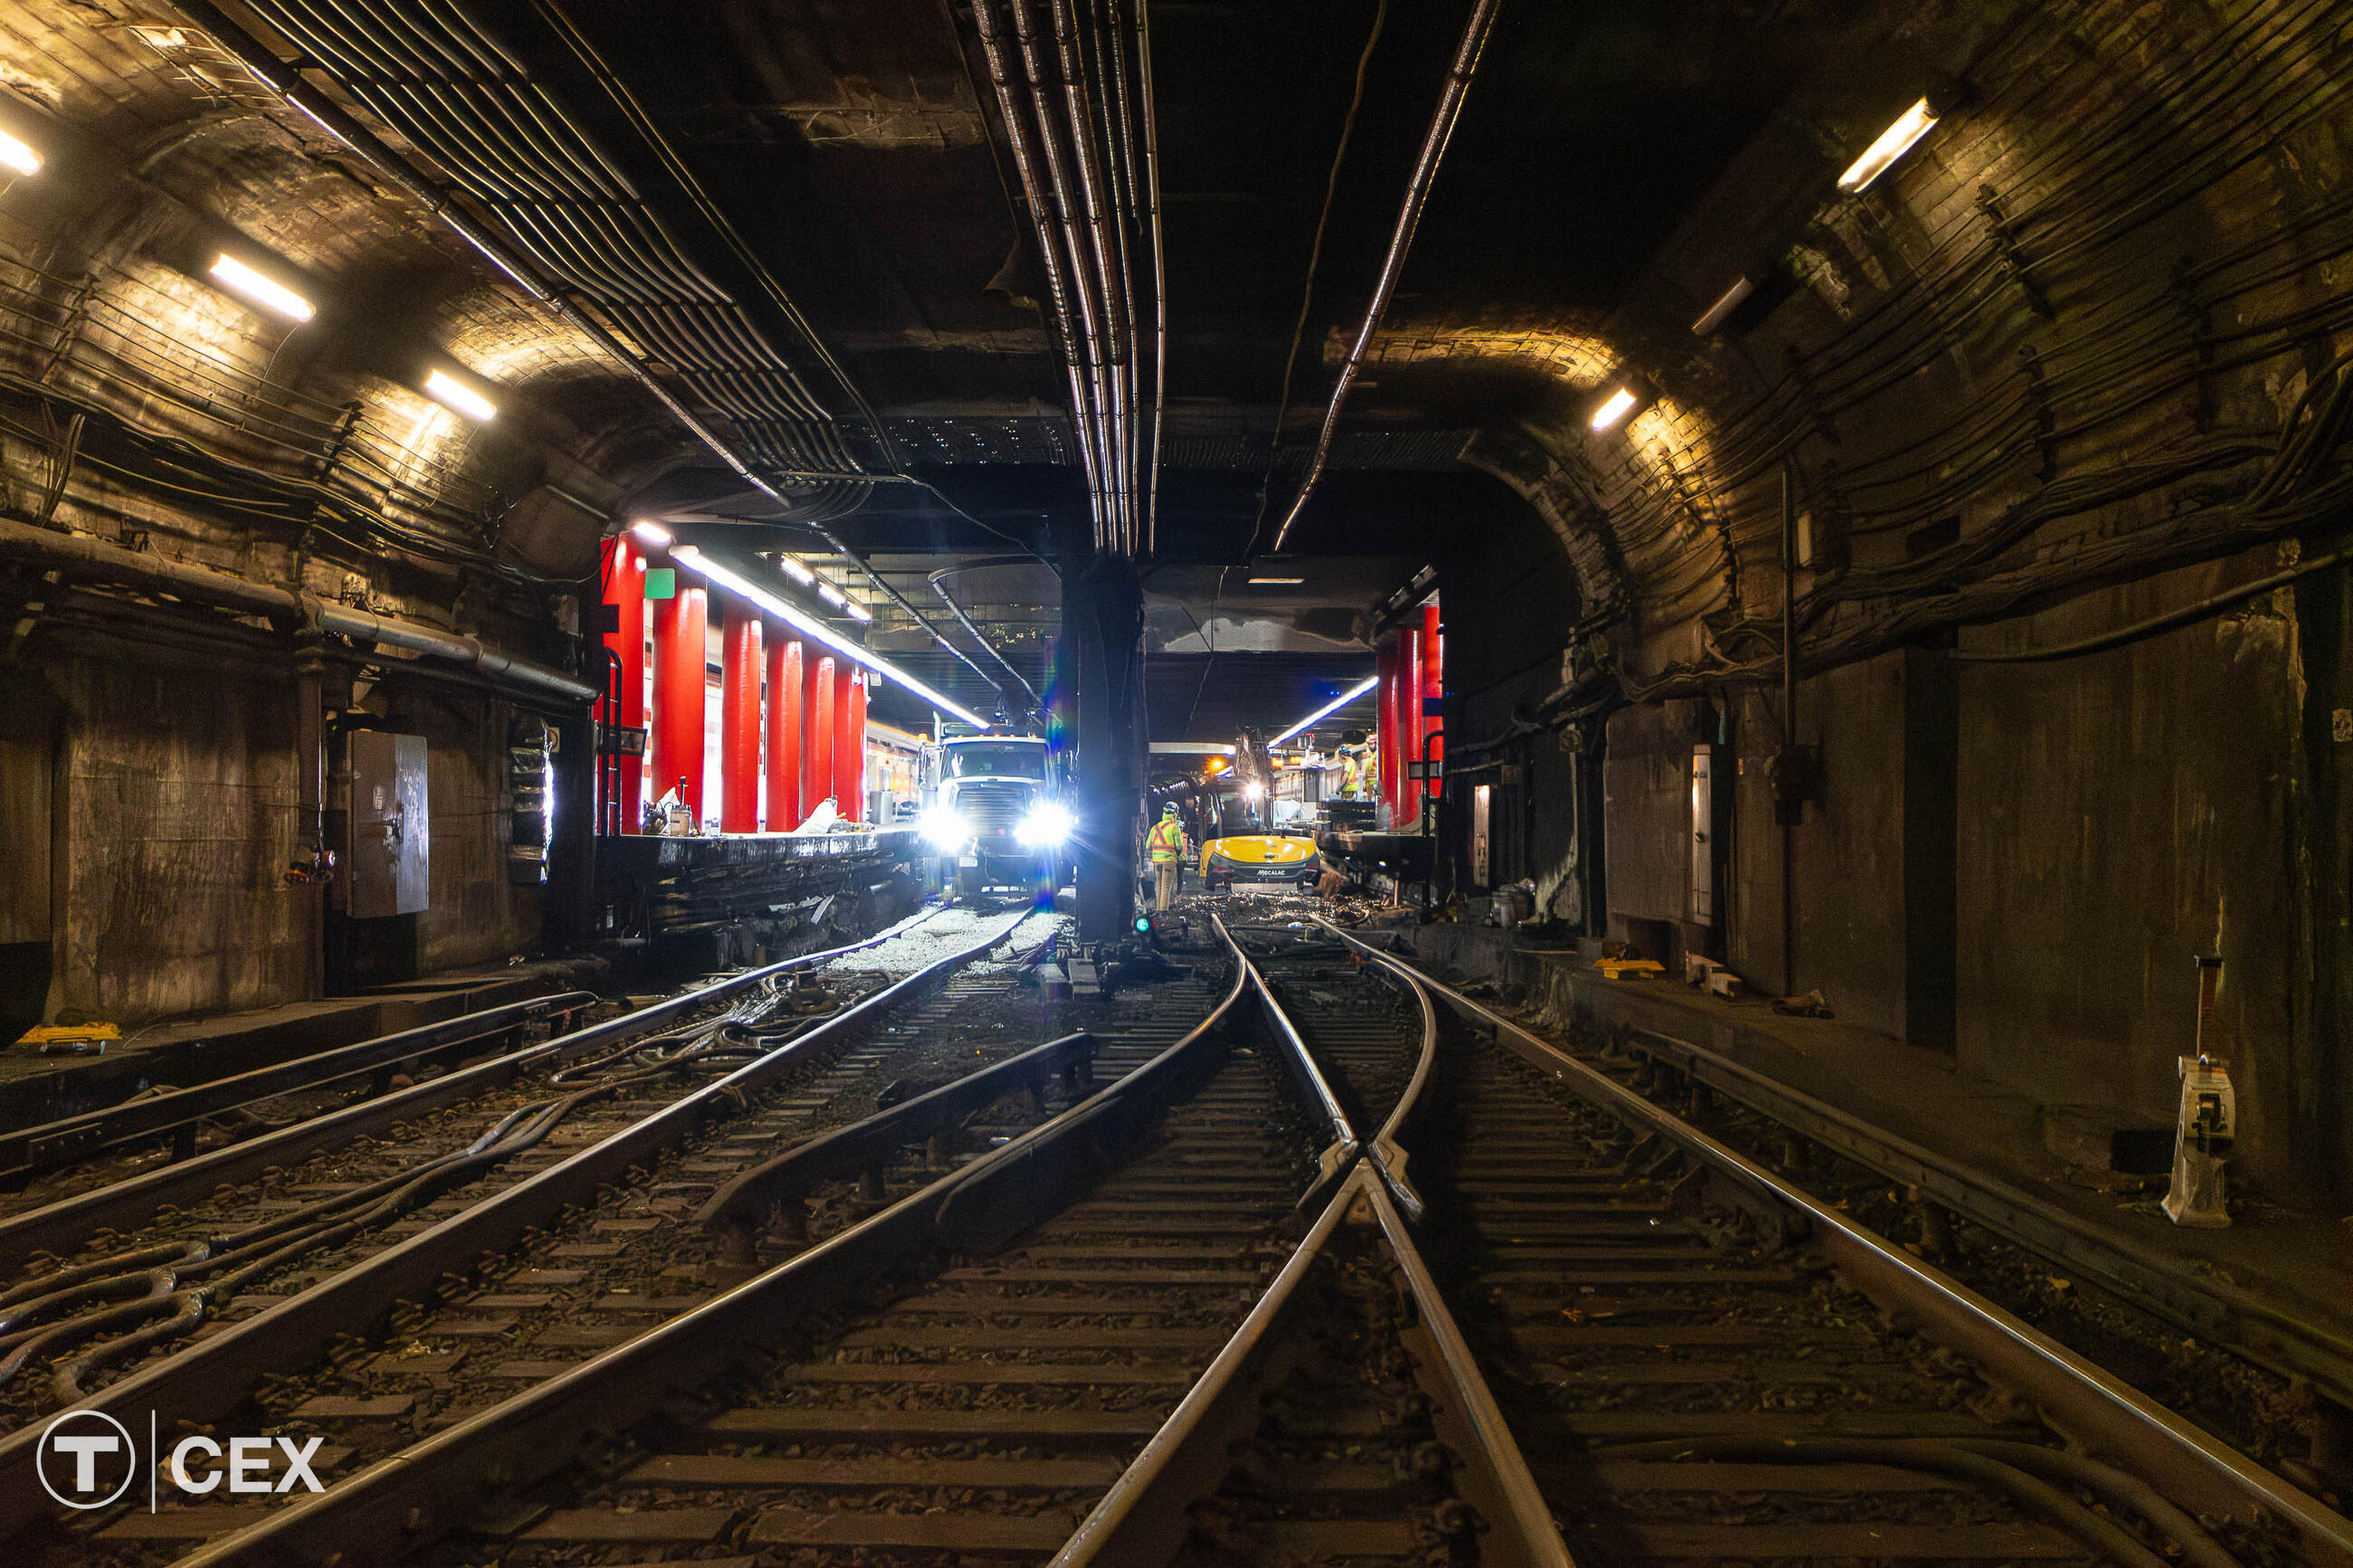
(1046, 825)
(944, 829)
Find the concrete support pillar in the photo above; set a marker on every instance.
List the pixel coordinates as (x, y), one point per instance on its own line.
(850, 745)
(625, 590)
(739, 717)
(817, 724)
(785, 705)
(1433, 689)
(681, 631)
(1103, 655)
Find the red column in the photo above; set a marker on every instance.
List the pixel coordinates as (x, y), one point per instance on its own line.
(849, 744)
(817, 724)
(1408, 710)
(680, 630)
(625, 590)
(739, 718)
(1385, 719)
(784, 733)
(1433, 688)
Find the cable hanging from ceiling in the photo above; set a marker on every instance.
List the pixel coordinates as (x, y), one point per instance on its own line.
(585, 235)
(1068, 76)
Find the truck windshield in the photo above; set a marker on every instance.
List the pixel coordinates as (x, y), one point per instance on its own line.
(997, 762)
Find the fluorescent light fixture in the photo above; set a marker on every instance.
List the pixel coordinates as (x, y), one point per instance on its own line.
(450, 393)
(831, 594)
(652, 534)
(858, 612)
(1614, 407)
(1329, 709)
(1275, 582)
(268, 292)
(18, 155)
(1726, 303)
(796, 571)
(1893, 144)
(808, 626)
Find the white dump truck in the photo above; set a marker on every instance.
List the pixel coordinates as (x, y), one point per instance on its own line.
(996, 812)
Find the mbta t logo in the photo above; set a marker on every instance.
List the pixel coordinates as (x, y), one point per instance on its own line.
(88, 1459)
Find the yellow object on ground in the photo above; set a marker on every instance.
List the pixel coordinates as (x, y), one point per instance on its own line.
(69, 1034)
(1620, 968)
(1267, 856)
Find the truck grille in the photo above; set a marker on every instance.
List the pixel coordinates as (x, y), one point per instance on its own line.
(992, 808)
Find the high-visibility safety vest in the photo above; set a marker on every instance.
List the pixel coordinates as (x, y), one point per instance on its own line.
(1352, 775)
(1167, 839)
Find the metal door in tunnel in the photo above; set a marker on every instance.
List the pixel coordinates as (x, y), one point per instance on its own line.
(389, 858)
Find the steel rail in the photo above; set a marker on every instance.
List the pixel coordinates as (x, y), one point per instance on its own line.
(732, 1210)
(1467, 1418)
(1342, 1151)
(65, 1224)
(2089, 1405)
(1142, 1519)
(2219, 1312)
(204, 1381)
(1389, 1154)
(440, 1483)
(69, 1138)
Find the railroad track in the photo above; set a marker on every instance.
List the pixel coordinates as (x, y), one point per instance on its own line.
(971, 1369)
(1196, 1316)
(337, 1264)
(1702, 1362)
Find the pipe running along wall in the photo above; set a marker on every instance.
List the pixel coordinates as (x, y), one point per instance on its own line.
(76, 555)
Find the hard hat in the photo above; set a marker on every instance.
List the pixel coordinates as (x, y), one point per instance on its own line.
(1168, 810)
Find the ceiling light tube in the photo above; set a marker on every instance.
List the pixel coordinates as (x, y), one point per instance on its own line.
(858, 612)
(18, 155)
(1893, 144)
(796, 571)
(808, 626)
(1614, 407)
(268, 292)
(450, 393)
(1329, 709)
(831, 594)
(1726, 303)
(652, 534)
(1275, 582)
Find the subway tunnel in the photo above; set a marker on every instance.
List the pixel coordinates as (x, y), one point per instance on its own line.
(1789, 555)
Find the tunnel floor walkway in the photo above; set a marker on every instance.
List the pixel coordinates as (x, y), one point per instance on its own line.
(2282, 1250)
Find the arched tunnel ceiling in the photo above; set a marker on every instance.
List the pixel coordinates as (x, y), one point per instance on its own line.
(2058, 346)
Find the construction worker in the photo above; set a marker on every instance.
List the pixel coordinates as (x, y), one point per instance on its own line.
(1165, 844)
(1352, 774)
